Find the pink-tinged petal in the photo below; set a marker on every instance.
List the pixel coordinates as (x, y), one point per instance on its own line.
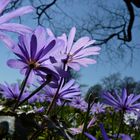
(71, 39)
(79, 44)
(49, 32)
(3, 4)
(85, 61)
(14, 27)
(88, 52)
(92, 122)
(76, 131)
(89, 43)
(9, 42)
(74, 66)
(19, 12)
(15, 64)
(64, 38)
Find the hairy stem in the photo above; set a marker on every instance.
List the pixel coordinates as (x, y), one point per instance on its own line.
(23, 85)
(121, 124)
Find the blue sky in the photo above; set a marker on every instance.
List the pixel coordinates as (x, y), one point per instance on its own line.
(90, 75)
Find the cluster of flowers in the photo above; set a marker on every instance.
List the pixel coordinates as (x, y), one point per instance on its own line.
(46, 60)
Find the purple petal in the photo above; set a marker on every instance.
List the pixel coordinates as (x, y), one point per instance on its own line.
(124, 96)
(15, 64)
(3, 4)
(129, 99)
(40, 34)
(14, 27)
(89, 136)
(125, 137)
(68, 85)
(104, 134)
(19, 12)
(49, 46)
(108, 97)
(33, 46)
(10, 43)
(24, 51)
(134, 99)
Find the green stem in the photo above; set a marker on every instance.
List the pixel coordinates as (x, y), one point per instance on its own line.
(121, 124)
(22, 89)
(55, 97)
(86, 117)
(34, 92)
(113, 123)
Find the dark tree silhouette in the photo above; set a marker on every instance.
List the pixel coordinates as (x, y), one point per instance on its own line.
(94, 93)
(110, 24)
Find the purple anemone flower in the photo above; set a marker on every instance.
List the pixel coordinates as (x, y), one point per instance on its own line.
(12, 91)
(123, 137)
(39, 110)
(123, 102)
(34, 52)
(78, 130)
(66, 92)
(5, 25)
(77, 52)
(98, 108)
(79, 103)
(40, 98)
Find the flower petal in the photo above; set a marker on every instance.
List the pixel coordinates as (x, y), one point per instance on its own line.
(84, 61)
(15, 64)
(71, 39)
(14, 27)
(79, 43)
(19, 12)
(33, 46)
(74, 66)
(3, 4)
(89, 136)
(104, 134)
(9, 42)
(40, 34)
